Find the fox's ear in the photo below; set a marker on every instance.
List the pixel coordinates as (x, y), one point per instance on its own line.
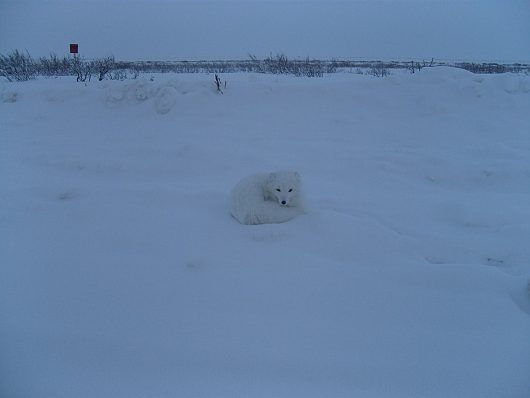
(272, 177)
(297, 176)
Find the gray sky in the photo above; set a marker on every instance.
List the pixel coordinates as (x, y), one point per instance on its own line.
(163, 29)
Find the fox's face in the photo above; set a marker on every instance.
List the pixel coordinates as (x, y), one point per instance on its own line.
(284, 186)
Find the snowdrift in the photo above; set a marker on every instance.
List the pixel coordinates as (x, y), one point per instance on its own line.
(124, 275)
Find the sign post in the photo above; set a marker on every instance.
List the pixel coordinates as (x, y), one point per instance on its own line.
(74, 48)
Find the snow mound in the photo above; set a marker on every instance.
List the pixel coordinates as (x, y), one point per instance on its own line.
(517, 85)
(165, 99)
(9, 96)
(163, 95)
(141, 90)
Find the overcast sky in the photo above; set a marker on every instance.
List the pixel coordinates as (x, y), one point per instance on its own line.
(163, 29)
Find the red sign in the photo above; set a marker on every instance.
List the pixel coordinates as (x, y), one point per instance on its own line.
(74, 48)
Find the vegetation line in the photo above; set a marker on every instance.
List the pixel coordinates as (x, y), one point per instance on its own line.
(21, 66)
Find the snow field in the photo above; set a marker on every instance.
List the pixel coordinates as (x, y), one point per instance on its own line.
(123, 274)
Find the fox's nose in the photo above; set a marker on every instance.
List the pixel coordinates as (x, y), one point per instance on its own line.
(283, 202)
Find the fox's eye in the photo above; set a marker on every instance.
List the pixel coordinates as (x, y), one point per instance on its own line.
(278, 189)
(291, 190)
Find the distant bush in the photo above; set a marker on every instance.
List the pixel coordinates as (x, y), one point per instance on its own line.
(54, 66)
(332, 66)
(486, 67)
(17, 66)
(379, 70)
(280, 64)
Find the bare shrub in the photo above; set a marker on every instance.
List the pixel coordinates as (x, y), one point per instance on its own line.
(218, 84)
(118, 74)
(103, 66)
(82, 69)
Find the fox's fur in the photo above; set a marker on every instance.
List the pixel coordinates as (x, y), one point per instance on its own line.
(267, 198)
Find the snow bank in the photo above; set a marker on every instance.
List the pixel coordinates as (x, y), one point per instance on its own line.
(123, 274)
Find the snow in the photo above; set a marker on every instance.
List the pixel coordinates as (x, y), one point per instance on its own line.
(123, 274)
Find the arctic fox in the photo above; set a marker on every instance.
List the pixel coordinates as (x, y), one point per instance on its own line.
(267, 198)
